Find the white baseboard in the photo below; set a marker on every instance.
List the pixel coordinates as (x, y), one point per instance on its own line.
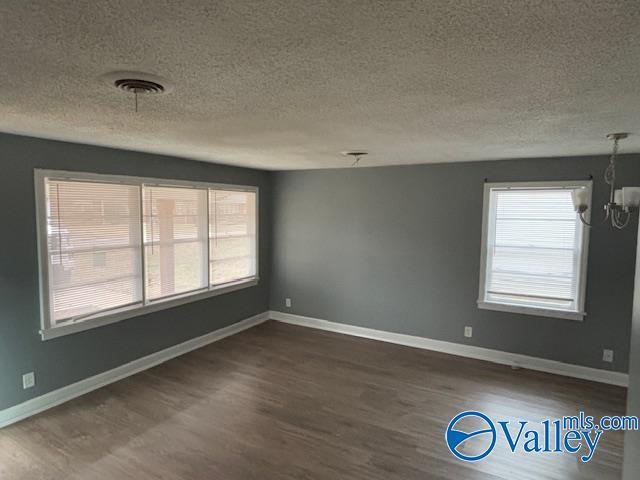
(64, 394)
(469, 351)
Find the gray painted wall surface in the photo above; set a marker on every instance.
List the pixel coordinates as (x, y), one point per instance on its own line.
(631, 438)
(71, 358)
(398, 249)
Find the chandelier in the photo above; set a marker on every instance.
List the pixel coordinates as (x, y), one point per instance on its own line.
(622, 202)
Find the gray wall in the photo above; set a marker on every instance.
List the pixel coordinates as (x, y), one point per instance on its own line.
(398, 249)
(331, 231)
(632, 438)
(71, 358)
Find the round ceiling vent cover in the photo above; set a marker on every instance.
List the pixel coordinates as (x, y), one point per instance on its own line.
(137, 82)
(138, 85)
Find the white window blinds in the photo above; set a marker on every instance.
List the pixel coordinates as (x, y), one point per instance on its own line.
(232, 233)
(534, 249)
(93, 248)
(175, 239)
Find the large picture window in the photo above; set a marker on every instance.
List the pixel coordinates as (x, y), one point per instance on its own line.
(534, 250)
(112, 247)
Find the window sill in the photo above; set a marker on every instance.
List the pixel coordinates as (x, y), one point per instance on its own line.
(135, 311)
(539, 312)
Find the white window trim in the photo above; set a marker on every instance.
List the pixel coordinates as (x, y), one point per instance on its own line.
(112, 316)
(527, 310)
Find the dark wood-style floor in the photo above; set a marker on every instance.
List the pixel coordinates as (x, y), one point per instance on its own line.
(286, 402)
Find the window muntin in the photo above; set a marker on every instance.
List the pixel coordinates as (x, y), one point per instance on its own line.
(112, 215)
(534, 249)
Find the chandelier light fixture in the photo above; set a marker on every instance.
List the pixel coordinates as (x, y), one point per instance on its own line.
(622, 202)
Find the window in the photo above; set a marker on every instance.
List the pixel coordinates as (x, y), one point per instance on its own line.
(232, 233)
(93, 248)
(534, 250)
(112, 247)
(175, 240)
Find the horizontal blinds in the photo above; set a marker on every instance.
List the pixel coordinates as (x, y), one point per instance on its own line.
(533, 248)
(175, 239)
(232, 233)
(93, 247)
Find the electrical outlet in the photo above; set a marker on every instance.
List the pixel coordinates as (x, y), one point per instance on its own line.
(607, 355)
(287, 302)
(28, 380)
(468, 332)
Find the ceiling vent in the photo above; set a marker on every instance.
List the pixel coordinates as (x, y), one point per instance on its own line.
(138, 85)
(137, 82)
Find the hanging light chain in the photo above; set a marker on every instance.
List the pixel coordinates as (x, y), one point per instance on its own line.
(610, 172)
(619, 216)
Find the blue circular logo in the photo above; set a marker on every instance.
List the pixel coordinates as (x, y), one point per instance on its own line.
(457, 438)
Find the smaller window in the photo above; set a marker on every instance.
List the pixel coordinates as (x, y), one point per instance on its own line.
(232, 236)
(534, 249)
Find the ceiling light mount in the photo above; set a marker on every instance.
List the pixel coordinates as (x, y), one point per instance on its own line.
(617, 136)
(356, 155)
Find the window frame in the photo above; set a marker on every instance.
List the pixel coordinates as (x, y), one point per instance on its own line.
(48, 331)
(485, 304)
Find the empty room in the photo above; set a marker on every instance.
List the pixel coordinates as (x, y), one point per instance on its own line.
(356, 239)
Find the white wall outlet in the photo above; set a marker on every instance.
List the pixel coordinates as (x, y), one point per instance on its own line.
(28, 380)
(607, 355)
(468, 332)
(287, 302)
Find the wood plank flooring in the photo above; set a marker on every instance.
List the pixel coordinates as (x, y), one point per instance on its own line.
(285, 402)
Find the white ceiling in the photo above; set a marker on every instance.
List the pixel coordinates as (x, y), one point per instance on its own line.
(281, 84)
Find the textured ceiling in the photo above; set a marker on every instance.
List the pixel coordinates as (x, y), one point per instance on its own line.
(289, 84)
